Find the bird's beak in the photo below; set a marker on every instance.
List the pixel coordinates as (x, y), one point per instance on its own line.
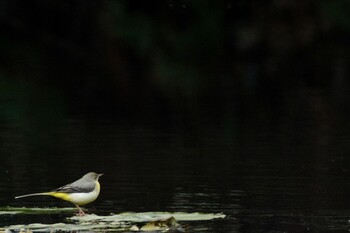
(100, 175)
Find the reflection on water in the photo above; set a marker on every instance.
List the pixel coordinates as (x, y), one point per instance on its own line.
(282, 178)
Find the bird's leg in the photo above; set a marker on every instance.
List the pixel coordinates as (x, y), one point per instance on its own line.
(81, 212)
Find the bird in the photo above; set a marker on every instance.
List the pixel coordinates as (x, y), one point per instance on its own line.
(80, 192)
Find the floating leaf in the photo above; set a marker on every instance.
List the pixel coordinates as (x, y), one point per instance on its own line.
(155, 221)
(23, 210)
(149, 216)
(38, 227)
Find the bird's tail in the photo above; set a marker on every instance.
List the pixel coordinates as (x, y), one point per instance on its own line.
(33, 194)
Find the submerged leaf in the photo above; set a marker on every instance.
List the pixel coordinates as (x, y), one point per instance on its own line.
(158, 225)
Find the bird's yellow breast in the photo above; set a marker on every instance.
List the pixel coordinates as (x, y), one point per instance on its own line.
(97, 187)
(63, 196)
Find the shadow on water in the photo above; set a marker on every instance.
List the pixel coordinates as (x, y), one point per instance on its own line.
(289, 176)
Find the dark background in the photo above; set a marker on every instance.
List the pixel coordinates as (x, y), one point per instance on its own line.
(147, 60)
(239, 107)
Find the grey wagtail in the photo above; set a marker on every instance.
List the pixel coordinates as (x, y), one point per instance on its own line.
(80, 192)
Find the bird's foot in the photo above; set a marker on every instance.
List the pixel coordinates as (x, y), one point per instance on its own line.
(81, 212)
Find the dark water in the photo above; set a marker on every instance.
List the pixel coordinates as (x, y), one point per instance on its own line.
(275, 173)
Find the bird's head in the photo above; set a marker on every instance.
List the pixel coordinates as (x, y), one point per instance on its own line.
(92, 176)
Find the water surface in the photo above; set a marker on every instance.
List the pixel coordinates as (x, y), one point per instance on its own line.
(289, 176)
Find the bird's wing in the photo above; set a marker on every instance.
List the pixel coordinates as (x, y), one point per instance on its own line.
(76, 188)
(67, 189)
